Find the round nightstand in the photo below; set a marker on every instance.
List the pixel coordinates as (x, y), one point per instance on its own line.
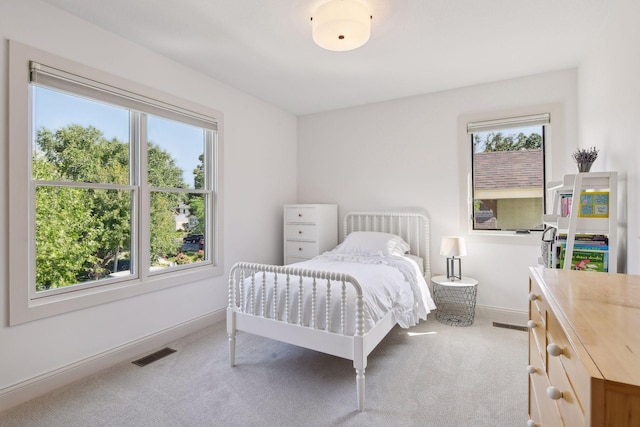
(455, 300)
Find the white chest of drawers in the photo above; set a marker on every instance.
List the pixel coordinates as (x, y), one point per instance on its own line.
(309, 230)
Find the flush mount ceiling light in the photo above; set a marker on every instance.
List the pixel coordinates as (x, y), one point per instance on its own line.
(341, 25)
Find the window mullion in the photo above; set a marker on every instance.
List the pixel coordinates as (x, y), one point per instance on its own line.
(143, 234)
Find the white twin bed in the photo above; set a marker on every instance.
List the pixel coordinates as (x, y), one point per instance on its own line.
(345, 301)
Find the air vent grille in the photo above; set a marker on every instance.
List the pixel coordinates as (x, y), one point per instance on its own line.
(144, 361)
(508, 326)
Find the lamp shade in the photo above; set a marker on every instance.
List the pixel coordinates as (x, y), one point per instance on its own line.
(453, 246)
(341, 25)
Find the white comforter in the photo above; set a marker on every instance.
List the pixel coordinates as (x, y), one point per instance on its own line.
(389, 284)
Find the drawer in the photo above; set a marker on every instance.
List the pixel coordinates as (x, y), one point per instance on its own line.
(538, 334)
(301, 249)
(570, 410)
(547, 409)
(575, 370)
(301, 214)
(301, 232)
(537, 301)
(293, 260)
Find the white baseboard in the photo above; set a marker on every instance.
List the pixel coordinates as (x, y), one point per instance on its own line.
(49, 381)
(503, 315)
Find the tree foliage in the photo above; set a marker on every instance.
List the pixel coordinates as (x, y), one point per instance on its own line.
(82, 232)
(497, 141)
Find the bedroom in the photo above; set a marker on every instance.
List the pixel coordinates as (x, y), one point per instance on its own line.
(601, 102)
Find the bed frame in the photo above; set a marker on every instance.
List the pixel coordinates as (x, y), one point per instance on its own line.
(243, 315)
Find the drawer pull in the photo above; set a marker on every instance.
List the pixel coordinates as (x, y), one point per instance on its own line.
(300, 249)
(299, 231)
(531, 423)
(531, 370)
(299, 215)
(531, 324)
(554, 350)
(533, 297)
(553, 393)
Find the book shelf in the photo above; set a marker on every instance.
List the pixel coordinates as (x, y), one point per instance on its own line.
(584, 212)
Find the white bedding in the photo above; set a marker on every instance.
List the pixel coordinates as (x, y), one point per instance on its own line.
(390, 283)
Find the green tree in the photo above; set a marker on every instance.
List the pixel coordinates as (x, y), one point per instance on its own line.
(497, 141)
(82, 232)
(65, 231)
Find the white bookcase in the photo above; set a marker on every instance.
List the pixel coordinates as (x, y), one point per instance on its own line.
(585, 218)
(309, 230)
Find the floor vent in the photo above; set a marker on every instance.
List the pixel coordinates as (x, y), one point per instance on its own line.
(508, 326)
(144, 361)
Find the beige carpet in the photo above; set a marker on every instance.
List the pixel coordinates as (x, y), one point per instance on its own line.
(429, 375)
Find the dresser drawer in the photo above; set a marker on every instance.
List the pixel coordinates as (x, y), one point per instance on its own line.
(301, 250)
(301, 214)
(537, 301)
(545, 410)
(575, 370)
(537, 334)
(570, 410)
(301, 232)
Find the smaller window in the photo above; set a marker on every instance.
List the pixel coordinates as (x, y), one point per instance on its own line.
(508, 173)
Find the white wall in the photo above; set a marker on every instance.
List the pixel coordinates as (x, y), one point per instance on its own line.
(609, 105)
(256, 136)
(406, 154)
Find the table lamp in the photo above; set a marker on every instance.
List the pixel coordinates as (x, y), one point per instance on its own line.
(453, 248)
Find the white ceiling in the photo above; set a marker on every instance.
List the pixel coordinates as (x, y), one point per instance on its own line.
(264, 47)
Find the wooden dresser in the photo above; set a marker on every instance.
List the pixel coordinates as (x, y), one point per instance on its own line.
(309, 230)
(584, 348)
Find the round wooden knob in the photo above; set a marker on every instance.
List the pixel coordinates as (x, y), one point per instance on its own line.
(531, 370)
(531, 324)
(533, 297)
(299, 249)
(299, 231)
(554, 393)
(554, 350)
(299, 215)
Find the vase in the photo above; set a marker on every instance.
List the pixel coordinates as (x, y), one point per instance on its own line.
(584, 166)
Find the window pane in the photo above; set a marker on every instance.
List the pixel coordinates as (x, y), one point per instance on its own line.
(178, 229)
(175, 154)
(508, 179)
(83, 140)
(82, 235)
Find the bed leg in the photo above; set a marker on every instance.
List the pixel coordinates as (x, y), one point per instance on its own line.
(360, 388)
(231, 332)
(360, 364)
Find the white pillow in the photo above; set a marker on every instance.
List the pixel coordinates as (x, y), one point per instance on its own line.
(372, 243)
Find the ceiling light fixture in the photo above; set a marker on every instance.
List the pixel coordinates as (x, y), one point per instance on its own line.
(341, 25)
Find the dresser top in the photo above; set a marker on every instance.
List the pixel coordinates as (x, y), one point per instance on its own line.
(603, 311)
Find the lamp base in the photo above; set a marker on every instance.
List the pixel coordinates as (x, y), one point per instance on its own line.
(451, 270)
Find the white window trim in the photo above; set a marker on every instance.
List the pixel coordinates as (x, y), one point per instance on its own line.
(553, 138)
(24, 308)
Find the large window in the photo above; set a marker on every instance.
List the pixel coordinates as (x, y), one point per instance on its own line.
(508, 173)
(121, 187)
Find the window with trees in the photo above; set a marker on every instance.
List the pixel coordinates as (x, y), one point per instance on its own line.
(121, 187)
(508, 173)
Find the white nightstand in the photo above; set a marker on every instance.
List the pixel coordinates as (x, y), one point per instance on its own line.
(455, 300)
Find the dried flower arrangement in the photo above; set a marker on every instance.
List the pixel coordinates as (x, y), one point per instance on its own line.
(584, 158)
(585, 155)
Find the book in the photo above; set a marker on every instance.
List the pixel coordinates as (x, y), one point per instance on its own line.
(587, 260)
(594, 204)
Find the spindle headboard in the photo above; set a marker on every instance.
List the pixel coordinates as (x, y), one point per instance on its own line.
(413, 227)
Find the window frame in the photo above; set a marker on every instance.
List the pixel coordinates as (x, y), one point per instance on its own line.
(554, 132)
(24, 304)
(499, 125)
